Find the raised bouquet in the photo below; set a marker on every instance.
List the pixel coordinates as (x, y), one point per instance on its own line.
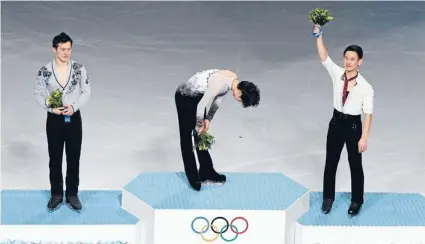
(203, 141)
(320, 16)
(55, 99)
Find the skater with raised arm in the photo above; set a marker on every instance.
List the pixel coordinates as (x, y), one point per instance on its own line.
(352, 95)
(197, 100)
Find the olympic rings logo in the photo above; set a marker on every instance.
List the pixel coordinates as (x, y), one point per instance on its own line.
(219, 231)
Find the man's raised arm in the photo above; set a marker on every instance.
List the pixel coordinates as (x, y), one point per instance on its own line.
(321, 48)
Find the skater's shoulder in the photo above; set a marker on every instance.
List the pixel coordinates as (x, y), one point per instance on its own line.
(46, 67)
(363, 80)
(76, 65)
(228, 72)
(364, 83)
(332, 66)
(206, 72)
(202, 75)
(49, 66)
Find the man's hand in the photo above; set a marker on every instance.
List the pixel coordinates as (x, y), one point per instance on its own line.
(57, 111)
(362, 144)
(205, 126)
(68, 110)
(317, 29)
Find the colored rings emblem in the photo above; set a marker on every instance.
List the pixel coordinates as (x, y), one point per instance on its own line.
(219, 231)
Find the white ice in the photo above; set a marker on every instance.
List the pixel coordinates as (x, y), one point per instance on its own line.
(137, 53)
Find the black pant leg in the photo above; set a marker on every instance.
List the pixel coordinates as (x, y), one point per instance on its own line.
(204, 158)
(55, 142)
(206, 165)
(73, 141)
(354, 133)
(186, 112)
(334, 144)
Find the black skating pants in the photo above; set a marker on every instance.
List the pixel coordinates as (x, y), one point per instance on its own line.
(62, 135)
(344, 129)
(186, 111)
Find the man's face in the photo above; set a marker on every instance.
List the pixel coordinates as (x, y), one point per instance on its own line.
(351, 61)
(63, 51)
(237, 95)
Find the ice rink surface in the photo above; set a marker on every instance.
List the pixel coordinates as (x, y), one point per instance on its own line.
(137, 53)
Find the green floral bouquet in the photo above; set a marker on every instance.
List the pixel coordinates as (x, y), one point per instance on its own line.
(204, 141)
(55, 99)
(320, 16)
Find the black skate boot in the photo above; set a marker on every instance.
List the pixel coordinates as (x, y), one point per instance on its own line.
(212, 177)
(74, 202)
(54, 202)
(196, 185)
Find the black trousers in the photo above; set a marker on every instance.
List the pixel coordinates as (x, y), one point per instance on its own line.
(60, 134)
(186, 111)
(344, 129)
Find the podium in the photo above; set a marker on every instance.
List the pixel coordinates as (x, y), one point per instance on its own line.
(249, 208)
(25, 219)
(385, 218)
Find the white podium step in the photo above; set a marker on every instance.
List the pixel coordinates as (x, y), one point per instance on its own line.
(25, 219)
(249, 208)
(385, 218)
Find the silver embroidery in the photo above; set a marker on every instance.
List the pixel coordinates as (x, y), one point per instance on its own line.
(197, 84)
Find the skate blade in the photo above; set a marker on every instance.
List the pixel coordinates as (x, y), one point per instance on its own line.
(212, 183)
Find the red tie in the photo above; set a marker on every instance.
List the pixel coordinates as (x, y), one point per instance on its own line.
(345, 92)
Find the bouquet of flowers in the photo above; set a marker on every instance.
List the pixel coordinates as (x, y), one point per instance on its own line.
(204, 141)
(320, 16)
(55, 99)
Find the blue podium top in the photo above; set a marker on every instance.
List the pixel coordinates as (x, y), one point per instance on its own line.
(29, 207)
(242, 191)
(379, 209)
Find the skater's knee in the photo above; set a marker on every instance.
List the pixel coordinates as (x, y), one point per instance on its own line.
(186, 147)
(55, 159)
(332, 162)
(355, 164)
(330, 169)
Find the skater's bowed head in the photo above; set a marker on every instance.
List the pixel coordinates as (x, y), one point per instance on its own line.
(247, 93)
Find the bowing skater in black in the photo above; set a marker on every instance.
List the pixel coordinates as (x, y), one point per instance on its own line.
(197, 100)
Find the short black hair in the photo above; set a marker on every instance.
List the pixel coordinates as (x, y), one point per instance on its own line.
(61, 38)
(250, 94)
(355, 48)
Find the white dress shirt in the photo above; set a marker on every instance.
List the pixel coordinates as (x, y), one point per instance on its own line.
(360, 97)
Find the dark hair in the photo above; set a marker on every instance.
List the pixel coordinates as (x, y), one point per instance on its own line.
(250, 94)
(61, 38)
(355, 48)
